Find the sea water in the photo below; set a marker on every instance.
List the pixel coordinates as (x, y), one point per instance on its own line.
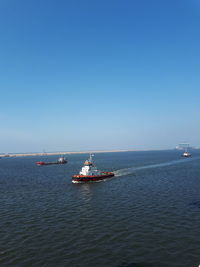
(148, 215)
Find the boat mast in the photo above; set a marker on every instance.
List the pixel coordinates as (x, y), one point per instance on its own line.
(90, 158)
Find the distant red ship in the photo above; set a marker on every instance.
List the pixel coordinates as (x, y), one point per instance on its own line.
(61, 160)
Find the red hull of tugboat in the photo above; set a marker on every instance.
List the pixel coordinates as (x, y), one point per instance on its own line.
(91, 178)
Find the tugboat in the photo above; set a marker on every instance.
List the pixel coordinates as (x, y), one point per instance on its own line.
(89, 173)
(60, 160)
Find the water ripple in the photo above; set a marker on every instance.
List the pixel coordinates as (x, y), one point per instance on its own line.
(149, 221)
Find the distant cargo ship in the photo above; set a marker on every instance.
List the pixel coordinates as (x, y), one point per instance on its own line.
(89, 173)
(186, 154)
(60, 160)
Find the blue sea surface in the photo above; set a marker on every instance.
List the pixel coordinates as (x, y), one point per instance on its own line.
(148, 215)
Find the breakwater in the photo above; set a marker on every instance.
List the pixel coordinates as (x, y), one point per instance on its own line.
(57, 153)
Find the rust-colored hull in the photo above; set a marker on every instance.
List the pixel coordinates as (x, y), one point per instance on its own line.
(42, 163)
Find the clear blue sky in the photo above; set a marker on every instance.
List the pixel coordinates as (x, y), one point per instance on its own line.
(78, 75)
